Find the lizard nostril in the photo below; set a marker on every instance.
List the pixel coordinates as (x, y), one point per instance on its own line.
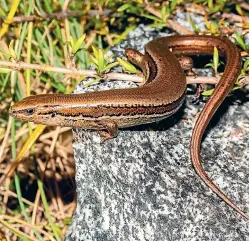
(12, 111)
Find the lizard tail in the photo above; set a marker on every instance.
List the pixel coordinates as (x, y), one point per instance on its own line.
(225, 84)
(195, 157)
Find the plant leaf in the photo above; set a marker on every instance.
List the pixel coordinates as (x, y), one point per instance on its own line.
(95, 51)
(72, 44)
(11, 49)
(101, 60)
(239, 10)
(126, 66)
(4, 70)
(124, 7)
(210, 4)
(207, 92)
(246, 64)
(191, 21)
(215, 59)
(93, 60)
(173, 5)
(79, 43)
(240, 41)
(152, 17)
(109, 66)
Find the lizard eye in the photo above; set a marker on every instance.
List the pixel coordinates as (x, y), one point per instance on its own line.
(30, 111)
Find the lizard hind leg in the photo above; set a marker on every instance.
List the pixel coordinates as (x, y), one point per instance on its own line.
(138, 59)
(187, 64)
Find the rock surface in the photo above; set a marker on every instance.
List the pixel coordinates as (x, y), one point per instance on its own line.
(141, 186)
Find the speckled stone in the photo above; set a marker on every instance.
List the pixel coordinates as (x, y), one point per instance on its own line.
(141, 186)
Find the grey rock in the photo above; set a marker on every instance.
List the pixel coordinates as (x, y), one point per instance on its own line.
(141, 186)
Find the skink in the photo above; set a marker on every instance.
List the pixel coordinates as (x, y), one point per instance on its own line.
(162, 95)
